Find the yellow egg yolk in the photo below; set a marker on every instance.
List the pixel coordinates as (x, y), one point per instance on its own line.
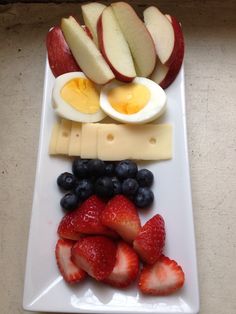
(81, 94)
(129, 98)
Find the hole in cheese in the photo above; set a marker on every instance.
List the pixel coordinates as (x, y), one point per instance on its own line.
(110, 137)
(65, 134)
(152, 140)
(77, 135)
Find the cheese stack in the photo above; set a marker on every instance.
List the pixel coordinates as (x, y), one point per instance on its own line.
(111, 141)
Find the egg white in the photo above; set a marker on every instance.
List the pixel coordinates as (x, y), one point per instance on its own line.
(153, 109)
(65, 110)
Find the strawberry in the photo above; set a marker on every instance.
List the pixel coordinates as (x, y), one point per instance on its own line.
(151, 239)
(88, 217)
(96, 255)
(162, 278)
(70, 272)
(121, 215)
(126, 267)
(66, 228)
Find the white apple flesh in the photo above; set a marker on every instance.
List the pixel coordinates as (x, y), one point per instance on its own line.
(138, 38)
(91, 13)
(85, 52)
(164, 75)
(114, 47)
(162, 33)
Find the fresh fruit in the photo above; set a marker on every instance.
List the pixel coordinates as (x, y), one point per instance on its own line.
(150, 240)
(70, 272)
(144, 197)
(144, 178)
(162, 278)
(87, 31)
(164, 75)
(96, 167)
(121, 215)
(76, 98)
(60, 57)
(91, 13)
(138, 102)
(126, 169)
(85, 52)
(109, 169)
(88, 218)
(104, 187)
(114, 47)
(116, 185)
(129, 187)
(126, 268)
(67, 227)
(66, 181)
(96, 255)
(138, 38)
(80, 168)
(69, 201)
(84, 189)
(162, 33)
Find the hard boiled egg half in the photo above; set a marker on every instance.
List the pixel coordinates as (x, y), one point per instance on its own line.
(76, 98)
(137, 102)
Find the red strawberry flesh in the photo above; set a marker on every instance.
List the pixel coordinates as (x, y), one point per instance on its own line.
(150, 241)
(126, 267)
(70, 272)
(96, 255)
(88, 218)
(121, 215)
(162, 278)
(67, 227)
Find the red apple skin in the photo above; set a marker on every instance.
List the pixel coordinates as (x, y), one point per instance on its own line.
(60, 57)
(87, 31)
(175, 67)
(118, 75)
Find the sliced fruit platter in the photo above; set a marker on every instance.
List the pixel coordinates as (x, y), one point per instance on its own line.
(112, 195)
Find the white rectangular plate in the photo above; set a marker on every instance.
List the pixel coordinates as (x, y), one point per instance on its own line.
(45, 290)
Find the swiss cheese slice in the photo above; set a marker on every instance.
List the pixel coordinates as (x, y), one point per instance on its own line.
(123, 141)
(53, 139)
(75, 139)
(63, 139)
(89, 140)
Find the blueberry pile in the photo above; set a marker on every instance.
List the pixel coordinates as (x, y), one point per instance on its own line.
(105, 179)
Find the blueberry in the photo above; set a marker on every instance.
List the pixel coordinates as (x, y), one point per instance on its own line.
(66, 181)
(129, 186)
(69, 201)
(104, 187)
(109, 169)
(144, 178)
(84, 189)
(116, 185)
(96, 167)
(126, 169)
(143, 198)
(80, 168)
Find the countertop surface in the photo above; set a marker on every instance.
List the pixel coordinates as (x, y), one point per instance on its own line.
(210, 67)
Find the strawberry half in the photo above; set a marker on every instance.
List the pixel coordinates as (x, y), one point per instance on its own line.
(126, 267)
(96, 255)
(151, 240)
(67, 227)
(88, 218)
(70, 272)
(121, 215)
(162, 278)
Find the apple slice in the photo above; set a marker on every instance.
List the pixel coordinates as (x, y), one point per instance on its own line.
(85, 52)
(114, 47)
(164, 75)
(91, 13)
(60, 57)
(162, 33)
(138, 38)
